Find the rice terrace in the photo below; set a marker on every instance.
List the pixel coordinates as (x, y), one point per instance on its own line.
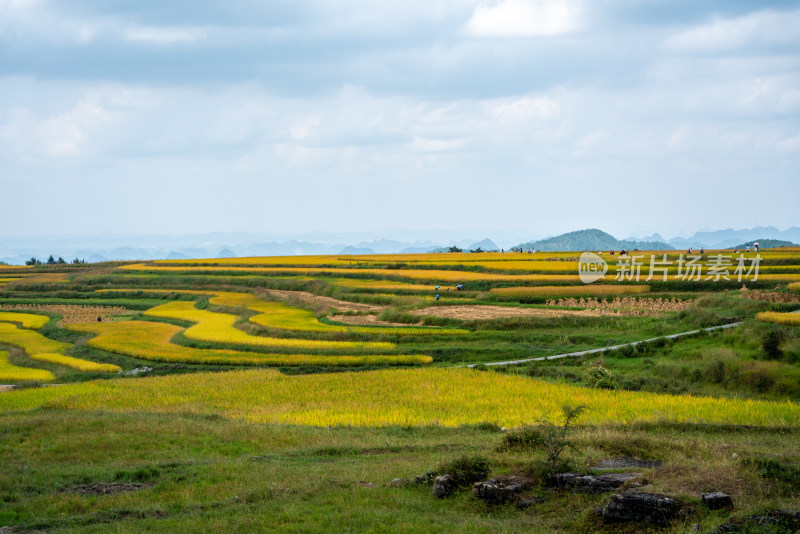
(330, 392)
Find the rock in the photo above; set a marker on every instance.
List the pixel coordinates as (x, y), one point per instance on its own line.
(774, 521)
(717, 500)
(399, 482)
(527, 503)
(427, 478)
(639, 506)
(501, 489)
(591, 483)
(444, 486)
(6, 530)
(138, 370)
(734, 456)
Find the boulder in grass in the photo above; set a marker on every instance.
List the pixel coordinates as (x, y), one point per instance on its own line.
(501, 489)
(591, 483)
(717, 500)
(635, 506)
(444, 486)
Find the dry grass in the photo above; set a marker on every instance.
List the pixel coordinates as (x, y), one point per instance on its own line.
(624, 305)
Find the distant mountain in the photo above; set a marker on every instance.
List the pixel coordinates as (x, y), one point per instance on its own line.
(767, 243)
(177, 256)
(486, 245)
(729, 237)
(356, 250)
(226, 253)
(591, 239)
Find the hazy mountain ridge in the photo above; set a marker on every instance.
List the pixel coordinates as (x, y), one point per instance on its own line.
(16, 250)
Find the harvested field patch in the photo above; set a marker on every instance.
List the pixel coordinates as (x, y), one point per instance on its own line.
(482, 312)
(364, 320)
(316, 301)
(72, 314)
(624, 306)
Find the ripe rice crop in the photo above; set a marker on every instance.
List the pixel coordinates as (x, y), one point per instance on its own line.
(624, 306)
(152, 341)
(599, 290)
(791, 319)
(447, 397)
(27, 320)
(219, 328)
(279, 315)
(283, 316)
(433, 275)
(794, 287)
(13, 373)
(41, 348)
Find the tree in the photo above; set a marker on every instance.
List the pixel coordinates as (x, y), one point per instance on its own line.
(76, 261)
(61, 260)
(51, 260)
(454, 249)
(33, 261)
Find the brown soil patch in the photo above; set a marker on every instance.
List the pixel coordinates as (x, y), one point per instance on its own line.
(365, 320)
(108, 488)
(319, 302)
(482, 312)
(6, 388)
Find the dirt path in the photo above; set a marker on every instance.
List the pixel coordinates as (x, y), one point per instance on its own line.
(486, 312)
(5, 388)
(317, 301)
(604, 349)
(365, 320)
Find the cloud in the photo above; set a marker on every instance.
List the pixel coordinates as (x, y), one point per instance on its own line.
(767, 27)
(523, 109)
(524, 18)
(422, 144)
(164, 35)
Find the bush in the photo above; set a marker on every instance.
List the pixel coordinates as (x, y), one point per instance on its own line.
(467, 470)
(598, 376)
(771, 343)
(525, 437)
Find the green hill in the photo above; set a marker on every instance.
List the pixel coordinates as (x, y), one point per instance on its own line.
(591, 239)
(768, 243)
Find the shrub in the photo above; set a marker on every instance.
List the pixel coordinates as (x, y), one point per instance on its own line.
(467, 470)
(771, 343)
(598, 376)
(525, 437)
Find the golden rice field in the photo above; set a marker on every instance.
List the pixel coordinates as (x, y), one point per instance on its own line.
(219, 328)
(43, 349)
(447, 397)
(791, 319)
(432, 275)
(557, 291)
(152, 341)
(14, 373)
(71, 313)
(27, 320)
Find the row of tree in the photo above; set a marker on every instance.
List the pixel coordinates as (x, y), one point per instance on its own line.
(52, 261)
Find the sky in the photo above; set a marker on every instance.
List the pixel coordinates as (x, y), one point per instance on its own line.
(527, 116)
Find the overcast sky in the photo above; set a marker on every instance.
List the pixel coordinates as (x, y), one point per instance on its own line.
(135, 116)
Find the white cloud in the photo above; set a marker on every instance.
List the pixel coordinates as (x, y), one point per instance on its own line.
(302, 128)
(761, 27)
(524, 18)
(791, 144)
(422, 144)
(164, 35)
(523, 109)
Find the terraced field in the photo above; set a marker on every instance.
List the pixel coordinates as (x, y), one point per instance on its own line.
(265, 369)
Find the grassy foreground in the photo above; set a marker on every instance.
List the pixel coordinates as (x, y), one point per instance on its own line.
(209, 474)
